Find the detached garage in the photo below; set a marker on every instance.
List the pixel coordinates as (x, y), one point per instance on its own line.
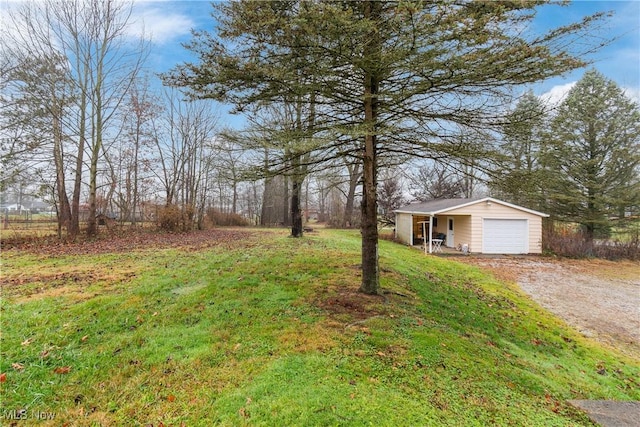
(487, 225)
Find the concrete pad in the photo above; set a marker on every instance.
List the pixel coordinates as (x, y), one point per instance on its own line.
(610, 413)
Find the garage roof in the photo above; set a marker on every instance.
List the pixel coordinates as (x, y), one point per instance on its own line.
(441, 206)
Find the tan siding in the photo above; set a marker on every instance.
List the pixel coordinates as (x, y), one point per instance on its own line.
(462, 227)
(463, 231)
(479, 211)
(535, 235)
(403, 227)
(442, 225)
(469, 224)
(494, 210)
(476, 238)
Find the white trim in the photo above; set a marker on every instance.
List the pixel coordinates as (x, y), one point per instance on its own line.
(430, 234)
(395, 229)
(451, 232)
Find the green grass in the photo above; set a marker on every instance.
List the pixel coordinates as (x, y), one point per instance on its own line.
(273, 332)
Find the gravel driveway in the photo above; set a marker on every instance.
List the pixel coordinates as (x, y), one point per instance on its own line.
(601, 299)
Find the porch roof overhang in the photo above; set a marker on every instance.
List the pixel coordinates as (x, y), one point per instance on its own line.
(443, 206)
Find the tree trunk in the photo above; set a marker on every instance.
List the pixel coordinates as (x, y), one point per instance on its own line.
(266, 199)
(296, 191)
(369, 227)
(92, 224)
(136, 149)
(298, 168)
(354, 178)
(74, 224)
(96, 148)
(322, 197)
(64, 209)
(285, 211)
(296, 212)
(234, 201)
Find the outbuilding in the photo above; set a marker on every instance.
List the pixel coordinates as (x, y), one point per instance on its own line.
(485, 225)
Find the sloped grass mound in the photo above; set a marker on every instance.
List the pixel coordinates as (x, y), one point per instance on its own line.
(273, 332)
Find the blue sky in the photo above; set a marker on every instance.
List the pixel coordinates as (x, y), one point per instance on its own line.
(170, 24)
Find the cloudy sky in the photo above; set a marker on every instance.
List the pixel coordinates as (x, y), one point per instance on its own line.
(169, 23)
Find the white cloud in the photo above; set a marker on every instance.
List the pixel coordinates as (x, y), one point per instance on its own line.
(154, 20)
(556, 94)
(159, 24)
(632, 93)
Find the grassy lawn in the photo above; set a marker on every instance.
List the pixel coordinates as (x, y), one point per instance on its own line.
(269, 330)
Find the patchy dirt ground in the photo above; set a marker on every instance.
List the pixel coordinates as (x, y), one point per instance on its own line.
(601, 299)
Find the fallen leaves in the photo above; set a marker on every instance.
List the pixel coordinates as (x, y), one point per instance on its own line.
(127, 241)
(601, 369)
(553, 403)
(61, 370)
(244, 412)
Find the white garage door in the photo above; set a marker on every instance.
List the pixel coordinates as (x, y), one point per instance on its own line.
(505, 236)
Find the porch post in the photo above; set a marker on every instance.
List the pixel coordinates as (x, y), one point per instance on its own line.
(424, 235)
(395, 229)
(430, 232)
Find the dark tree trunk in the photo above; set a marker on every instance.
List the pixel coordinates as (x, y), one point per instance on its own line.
(285, 204)
(266, 199)
(354, 178)
(296, 212)
(92, 223)
(64, 209)
(369, 226)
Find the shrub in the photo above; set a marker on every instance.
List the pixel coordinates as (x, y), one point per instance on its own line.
(170, 218)
(574, 244)
(215, 217)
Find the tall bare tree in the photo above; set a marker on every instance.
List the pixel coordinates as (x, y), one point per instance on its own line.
(130, 157)
(183, 135)
(40, 105)
(100, 65)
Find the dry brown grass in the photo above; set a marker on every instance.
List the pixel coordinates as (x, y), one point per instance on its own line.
(75, 281)
(625, 270)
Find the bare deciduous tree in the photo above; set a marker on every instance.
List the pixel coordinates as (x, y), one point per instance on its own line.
(99, 64)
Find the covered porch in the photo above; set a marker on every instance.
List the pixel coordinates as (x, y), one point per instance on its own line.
(441, 233)
(442, 250)
(484, 225)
